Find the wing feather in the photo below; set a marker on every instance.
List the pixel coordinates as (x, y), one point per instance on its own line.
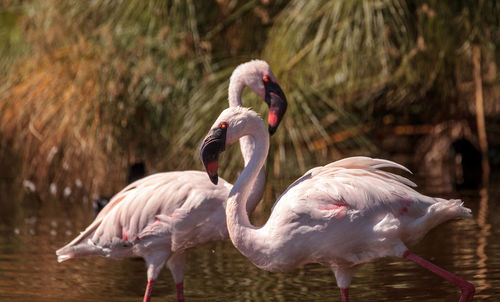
(135, 210)
(356, 183)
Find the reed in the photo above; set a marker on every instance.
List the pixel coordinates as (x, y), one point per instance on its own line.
(89, 87)
(102, 84)
(348, 64)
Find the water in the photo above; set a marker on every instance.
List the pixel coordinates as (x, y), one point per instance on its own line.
(31, 231)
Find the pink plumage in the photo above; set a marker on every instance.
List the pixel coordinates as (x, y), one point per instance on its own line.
(340, 215)
(160, 216)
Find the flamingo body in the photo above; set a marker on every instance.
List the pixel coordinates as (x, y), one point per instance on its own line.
(172, 211)
(160, 216)
(348, 213)
(341, 215)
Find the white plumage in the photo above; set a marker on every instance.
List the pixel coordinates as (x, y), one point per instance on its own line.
(340, 215)
(160, 216)
(364, 212)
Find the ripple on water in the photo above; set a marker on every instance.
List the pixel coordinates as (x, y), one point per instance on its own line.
(218, 272)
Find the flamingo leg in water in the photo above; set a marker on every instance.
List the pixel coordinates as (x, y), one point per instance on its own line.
(180, 291)
(345, 294)
(466, 288)
(149, 289)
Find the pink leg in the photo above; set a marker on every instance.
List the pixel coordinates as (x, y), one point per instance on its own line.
(180, 291)
(149, 289)
(345, 294)
(466, 287)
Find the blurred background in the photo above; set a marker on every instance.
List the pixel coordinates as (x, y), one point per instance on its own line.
(93, 92)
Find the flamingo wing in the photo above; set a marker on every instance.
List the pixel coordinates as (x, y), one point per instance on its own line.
(158, 205)
(161, 205)
(354, 184)
(118, 197)
(200, 218)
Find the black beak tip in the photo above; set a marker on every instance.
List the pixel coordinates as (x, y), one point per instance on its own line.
(272, 129)
(214, 178)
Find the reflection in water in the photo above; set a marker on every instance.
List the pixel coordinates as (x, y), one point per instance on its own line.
(31, 231)
(482, 283)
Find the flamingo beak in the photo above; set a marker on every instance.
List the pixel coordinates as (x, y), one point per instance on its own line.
(276, 100)
(212, 146)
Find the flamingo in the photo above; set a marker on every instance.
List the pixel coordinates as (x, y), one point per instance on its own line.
(340, 215)
(160, 216)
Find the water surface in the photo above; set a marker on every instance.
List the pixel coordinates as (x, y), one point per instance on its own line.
(31, 231)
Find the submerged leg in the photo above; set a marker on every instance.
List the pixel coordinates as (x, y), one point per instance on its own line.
(180, 291)
(149, 289)
(154, 264)
(466, 288)
(345, 294)
(176, 265)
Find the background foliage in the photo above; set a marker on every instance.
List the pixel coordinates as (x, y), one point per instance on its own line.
(90, 87)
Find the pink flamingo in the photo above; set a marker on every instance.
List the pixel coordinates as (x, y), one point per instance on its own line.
(160, 216)
(341, 215)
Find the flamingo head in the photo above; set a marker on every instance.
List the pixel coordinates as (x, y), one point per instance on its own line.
(232, 124)
(213, 145)
(259, 77)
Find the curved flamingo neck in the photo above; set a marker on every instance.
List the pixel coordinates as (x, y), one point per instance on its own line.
(237, 83)
(247, 146)
(243, 234)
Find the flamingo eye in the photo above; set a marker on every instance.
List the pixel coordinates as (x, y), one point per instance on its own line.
(223, 125)
(265, 79)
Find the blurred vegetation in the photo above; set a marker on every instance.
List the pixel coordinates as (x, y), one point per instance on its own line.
(398, 60)
(89, 87)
